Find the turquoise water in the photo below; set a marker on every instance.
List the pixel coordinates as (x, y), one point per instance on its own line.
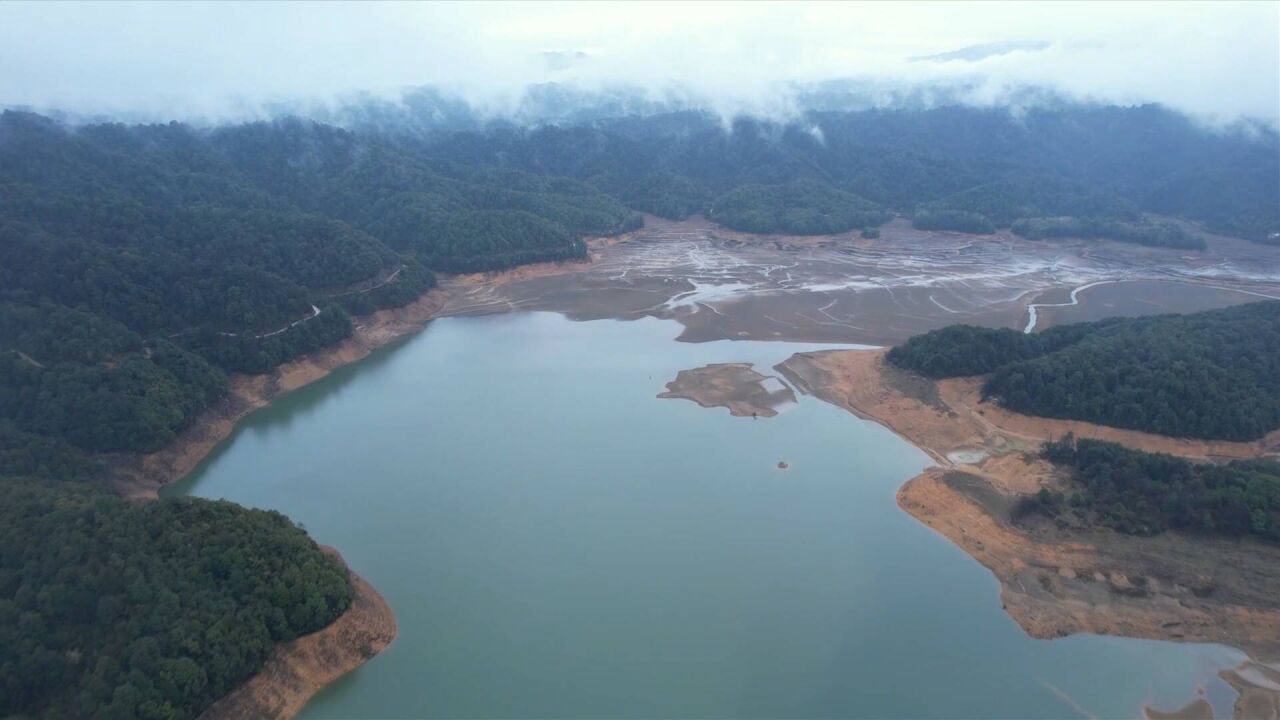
(557, 542)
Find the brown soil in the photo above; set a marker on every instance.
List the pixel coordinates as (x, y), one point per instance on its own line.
(729, 385)
(965, 396)
(1198, 709)
(950, 415)
(298, 670)
(1061, 581)
(860, 382)
(1056, 579)
(1256, 684)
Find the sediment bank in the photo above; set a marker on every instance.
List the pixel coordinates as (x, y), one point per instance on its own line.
(735, 386)
(299, 669)
(1056, 581)
(142, 476)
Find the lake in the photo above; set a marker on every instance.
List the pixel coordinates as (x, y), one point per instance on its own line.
(557, 542)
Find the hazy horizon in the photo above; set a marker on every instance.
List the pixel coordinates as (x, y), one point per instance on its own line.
(1219, 62)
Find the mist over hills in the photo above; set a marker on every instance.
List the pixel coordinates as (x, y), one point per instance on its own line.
(194, 251)
(193, 195)
(901, 146)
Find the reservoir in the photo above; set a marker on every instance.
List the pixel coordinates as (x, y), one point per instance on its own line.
(557, 542)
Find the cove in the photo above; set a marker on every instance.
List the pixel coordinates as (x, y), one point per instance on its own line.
(558, 542)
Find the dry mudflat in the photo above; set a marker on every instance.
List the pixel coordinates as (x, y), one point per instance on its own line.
(736, 386)
(719, 284)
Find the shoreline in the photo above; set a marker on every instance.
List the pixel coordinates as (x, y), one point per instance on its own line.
(299, 669)
(1058, 581)
(141, 476)
(736, 387)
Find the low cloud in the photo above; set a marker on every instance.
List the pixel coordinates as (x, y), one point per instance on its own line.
(563, 59)
(229, 60)
(974, 53)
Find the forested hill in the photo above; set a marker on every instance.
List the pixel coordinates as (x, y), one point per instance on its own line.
(177, 254)
(117, 610)
(1059, 170)
(140, 264)
(1212, 375)
(1147, 493)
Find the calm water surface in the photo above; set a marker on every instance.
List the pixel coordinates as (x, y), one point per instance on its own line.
(557, 542)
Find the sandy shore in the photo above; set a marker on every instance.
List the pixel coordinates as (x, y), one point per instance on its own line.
(1060, 580)
(300, 669)
(297, 670)
(142, 476)
(1056, 580)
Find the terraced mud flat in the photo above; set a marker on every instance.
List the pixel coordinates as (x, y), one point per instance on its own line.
(842, 288)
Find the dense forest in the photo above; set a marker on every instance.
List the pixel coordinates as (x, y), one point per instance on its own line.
(1143, 493)
(140, 264)
(801, 207)
(1157, 234)
(114, 609)
(1209, 375)
(1098, 170)
(242, 246)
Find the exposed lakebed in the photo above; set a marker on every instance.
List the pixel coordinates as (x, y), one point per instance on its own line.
(555, 541)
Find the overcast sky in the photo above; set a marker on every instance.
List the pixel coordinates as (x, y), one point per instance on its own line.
(1218, 60)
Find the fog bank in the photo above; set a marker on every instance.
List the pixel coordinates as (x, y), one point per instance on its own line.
(231, 60)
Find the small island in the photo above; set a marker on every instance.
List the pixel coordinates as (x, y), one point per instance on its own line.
(736, 386)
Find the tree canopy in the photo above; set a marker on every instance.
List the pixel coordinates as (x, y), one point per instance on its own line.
(1212, 375)
(1143, 493)
(801, 207)
(113, 609)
